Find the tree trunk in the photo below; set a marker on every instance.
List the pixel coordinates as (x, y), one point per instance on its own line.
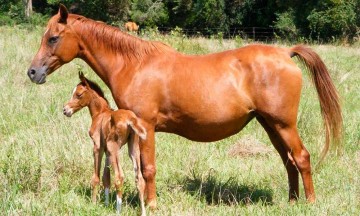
(28, 7)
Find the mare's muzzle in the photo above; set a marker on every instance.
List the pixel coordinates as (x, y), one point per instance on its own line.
(37, 76)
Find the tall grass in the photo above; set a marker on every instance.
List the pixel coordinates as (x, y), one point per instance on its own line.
(46, 158)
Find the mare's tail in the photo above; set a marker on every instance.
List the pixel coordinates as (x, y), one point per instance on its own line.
(328, 96)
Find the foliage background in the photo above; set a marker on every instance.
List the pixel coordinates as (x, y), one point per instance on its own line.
(324, 21)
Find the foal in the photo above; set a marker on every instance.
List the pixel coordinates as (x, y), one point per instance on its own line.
(110, 130)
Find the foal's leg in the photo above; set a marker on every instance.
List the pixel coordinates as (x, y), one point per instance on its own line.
(98, 153)
(106, 179)
(148, 166)
(119, 174)
(134, 153)
(289, 137)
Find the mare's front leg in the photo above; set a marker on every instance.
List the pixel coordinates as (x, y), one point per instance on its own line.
(148, 166)
(95, 180)
(134, 154)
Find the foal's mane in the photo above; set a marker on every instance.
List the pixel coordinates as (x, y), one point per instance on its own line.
(94, 86)
(114, 39)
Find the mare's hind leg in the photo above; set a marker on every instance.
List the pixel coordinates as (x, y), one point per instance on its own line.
(287, 141)
(292, 172)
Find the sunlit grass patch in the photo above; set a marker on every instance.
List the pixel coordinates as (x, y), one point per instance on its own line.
(46, 159)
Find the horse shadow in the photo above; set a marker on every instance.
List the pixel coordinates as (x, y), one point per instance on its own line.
(131, 198)
(208, 188)
(230, 192)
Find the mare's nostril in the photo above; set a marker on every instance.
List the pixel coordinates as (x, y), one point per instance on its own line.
(31, 73)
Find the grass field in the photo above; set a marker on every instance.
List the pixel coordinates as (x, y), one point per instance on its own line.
(46, 158)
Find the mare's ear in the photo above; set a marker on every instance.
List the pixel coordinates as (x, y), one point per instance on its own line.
(135, 124)
(63, 12)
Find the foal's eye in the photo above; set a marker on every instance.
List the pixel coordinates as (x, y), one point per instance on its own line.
(53, 39)
(79, 95)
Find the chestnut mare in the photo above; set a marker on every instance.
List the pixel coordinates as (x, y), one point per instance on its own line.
(202, 98)
(109, 130)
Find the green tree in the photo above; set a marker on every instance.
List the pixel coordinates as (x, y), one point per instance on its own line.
(333, 19)
(179, 11)
(149, 12)
(110, 11)
(210, 15)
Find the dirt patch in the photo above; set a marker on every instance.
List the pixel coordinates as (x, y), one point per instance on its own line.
(357, 155)
(249, 146)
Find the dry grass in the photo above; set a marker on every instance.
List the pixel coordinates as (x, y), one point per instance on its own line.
(249, 146)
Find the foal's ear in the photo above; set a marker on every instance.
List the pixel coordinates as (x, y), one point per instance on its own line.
(135, 124)
(83, 79)
(63, 12)
(81, 76)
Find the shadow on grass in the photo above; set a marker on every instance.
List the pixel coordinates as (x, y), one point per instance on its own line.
(214, 192)
(130, 197)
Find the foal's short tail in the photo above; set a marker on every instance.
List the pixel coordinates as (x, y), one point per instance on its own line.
(328, 96)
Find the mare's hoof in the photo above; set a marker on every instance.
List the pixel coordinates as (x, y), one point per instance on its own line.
(152, 204)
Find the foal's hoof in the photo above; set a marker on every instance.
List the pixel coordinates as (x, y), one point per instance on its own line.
(118, 204)
(152, 204)
(292, 201)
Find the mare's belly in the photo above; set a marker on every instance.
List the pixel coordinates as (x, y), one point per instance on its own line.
(205, 130)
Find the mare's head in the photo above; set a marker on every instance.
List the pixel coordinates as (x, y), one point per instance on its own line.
(59, 45)
(83, 94)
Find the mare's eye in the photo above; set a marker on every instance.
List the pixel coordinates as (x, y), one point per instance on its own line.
(78, 95)
(53, 39)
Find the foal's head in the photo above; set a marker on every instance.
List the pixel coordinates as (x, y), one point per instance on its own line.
(84, 93)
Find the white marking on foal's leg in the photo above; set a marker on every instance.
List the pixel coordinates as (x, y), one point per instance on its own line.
(106, 196)
(118, 204)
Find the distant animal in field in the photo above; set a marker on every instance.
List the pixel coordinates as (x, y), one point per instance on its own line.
(110, 130)
(131, 27)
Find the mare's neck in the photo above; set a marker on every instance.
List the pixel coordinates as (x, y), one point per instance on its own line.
(108, 51)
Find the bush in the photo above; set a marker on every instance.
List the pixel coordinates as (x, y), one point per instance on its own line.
(285, 23)
(149, 12)
(37, 19)
(6, 20)
(334, 20)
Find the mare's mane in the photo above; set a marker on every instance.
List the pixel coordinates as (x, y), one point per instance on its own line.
(114, 39)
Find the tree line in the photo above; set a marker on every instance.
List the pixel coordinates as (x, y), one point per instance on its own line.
(323, 20)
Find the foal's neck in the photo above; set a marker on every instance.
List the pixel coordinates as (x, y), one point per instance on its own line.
(97, 106)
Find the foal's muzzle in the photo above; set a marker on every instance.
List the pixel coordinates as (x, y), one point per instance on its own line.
(37, 76)
(67, 111)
